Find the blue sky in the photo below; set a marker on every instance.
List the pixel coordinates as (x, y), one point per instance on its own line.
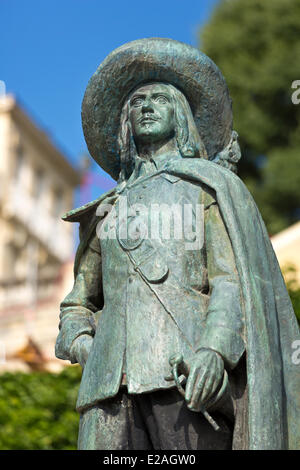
(50, 48)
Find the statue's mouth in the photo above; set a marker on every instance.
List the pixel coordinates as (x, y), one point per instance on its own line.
(146, 119)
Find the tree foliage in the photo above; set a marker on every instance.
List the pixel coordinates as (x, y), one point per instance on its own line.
(256, 44)
(37, 410)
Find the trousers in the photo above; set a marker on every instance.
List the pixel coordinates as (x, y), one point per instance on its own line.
(158, 420)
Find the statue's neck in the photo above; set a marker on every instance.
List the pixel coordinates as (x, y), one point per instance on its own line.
(156, 150)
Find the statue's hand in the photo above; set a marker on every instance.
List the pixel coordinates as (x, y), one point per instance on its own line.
(81, 348)
(205, 376)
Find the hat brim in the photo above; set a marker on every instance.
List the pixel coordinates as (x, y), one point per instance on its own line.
(154, 59)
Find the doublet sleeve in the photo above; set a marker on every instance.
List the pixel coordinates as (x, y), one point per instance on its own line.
(78, 309)
(224, 328)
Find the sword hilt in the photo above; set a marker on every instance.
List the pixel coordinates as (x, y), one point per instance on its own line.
(180, 367)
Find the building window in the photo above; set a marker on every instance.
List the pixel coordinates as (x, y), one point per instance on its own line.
(10, 261)
(58, 203)
(38, 184)
(19, 163)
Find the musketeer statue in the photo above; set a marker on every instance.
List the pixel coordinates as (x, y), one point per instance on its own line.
(179, 315)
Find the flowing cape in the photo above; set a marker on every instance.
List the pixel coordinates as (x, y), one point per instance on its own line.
(271, 327)
(272, 415)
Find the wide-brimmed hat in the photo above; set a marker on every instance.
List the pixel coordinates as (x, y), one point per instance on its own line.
(154, 59)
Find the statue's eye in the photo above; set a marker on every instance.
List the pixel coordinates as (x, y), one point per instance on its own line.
(137, 102)
(161, 99)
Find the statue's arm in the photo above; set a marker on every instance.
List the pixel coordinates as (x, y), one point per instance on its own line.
(77, 319)
(224, 328)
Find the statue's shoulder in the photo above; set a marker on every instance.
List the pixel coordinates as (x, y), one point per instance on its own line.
(209, 173)
(81, 214)
(188, 169)
(87, 217)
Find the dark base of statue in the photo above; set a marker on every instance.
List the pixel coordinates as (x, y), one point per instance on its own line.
(151, 421)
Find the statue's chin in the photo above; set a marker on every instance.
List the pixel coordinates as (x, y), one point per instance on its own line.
(148, 129)
(149, 137)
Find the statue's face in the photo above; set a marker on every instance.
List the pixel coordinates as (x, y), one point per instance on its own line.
(151, 113)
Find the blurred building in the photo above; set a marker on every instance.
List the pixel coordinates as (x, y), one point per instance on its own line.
(36, 248)
(286, 245)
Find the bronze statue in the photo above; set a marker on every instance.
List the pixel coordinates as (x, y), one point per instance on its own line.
(179, 315)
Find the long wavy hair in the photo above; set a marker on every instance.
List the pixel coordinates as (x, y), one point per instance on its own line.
(187, 137)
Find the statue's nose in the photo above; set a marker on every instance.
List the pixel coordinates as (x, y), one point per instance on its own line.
(147, 106)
